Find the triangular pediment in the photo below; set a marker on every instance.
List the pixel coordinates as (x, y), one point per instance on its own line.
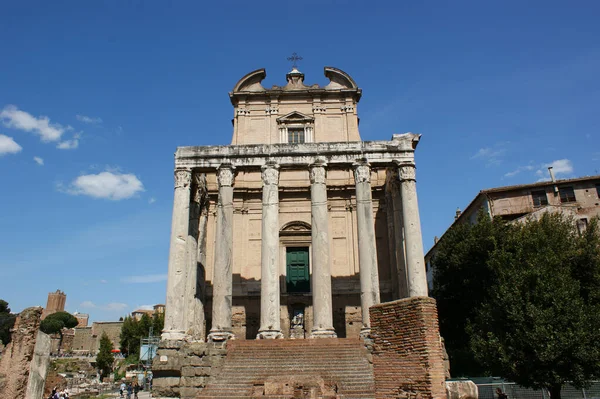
(295, 116)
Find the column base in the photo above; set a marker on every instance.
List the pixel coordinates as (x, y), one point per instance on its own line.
(323, 333)
(365, 332)
(220, 336)
(174, 335)
(269, 334)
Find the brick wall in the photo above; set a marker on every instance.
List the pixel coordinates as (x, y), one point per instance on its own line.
(24, 362)
(407, 351)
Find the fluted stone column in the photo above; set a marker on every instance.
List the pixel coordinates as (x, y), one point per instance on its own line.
(222, 277)
(367, 250)
(175, 312)
(415, 262)
(321, 267)
(193, 301)
(398, 224)
(270, 327)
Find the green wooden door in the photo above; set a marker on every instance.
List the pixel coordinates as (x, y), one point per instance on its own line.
(298, 277)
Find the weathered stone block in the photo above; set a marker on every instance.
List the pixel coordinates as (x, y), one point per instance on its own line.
(195, 348)
(189, 392)
(193, 381)
(165, 387)
(461, 390)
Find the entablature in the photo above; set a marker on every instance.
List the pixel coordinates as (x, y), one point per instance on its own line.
(400, 148)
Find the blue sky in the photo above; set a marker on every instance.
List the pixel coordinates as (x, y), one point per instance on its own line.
(96, 96)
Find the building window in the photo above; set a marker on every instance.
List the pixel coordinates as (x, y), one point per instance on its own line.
(539, 198)
(582, 225)
(295, 135)
(567, 194)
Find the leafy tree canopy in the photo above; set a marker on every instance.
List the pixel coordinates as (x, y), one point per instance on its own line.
(55, 322)
(7, 321)
(522, 300)
(134, 330)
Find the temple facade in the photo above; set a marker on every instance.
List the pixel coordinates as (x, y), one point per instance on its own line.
(298, 227)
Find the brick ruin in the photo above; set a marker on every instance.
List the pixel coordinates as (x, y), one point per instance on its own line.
(24, 362)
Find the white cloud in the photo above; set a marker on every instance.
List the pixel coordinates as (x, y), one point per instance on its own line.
(491, 155)
(88, 119)
(87, 304)
(103, 281)
(13, 117)
(114, 186)
(560, 167)
(69, 144)
(39, 161)
(8, 145)
(147, 278)
(519, 170)
(152, 200)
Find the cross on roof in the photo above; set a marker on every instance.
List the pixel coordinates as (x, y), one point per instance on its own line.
(295, 57)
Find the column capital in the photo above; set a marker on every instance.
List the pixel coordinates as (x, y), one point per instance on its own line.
(318, 173)
(270, 174)
(183, 177)
(362, 171)
(225, 175)
(406, 171)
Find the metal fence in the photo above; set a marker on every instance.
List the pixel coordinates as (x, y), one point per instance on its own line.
(514, 391)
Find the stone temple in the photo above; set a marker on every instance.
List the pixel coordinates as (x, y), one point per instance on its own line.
(294, 231)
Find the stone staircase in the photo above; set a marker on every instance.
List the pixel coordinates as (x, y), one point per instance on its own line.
(302, 368)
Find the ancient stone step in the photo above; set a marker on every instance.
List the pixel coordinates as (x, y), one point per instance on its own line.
(274, 369)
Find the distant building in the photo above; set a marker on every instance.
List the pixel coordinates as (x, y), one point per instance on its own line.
(82, 319)
(579, 198)
(87, 339)
(156, 310)
(56, 303)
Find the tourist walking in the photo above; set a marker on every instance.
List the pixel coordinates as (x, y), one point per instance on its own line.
(129, 390)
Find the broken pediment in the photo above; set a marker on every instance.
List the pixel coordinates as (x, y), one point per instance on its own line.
(295, 117)
(251, 81)
(339, 79)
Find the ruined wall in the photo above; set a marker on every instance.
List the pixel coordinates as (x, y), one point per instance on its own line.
(112, 329)
(407, 351)
(182, 369)
(39, 366)
(24, 362)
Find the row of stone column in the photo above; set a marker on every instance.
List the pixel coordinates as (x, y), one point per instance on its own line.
(270, 328)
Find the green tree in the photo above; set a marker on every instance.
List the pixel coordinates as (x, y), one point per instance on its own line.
(158, 323)
(133, 330)
(130, 337)
(7, 321)
(461, 283)
(55, 322)
(105, 358)
(539, 325)
(521, 300)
